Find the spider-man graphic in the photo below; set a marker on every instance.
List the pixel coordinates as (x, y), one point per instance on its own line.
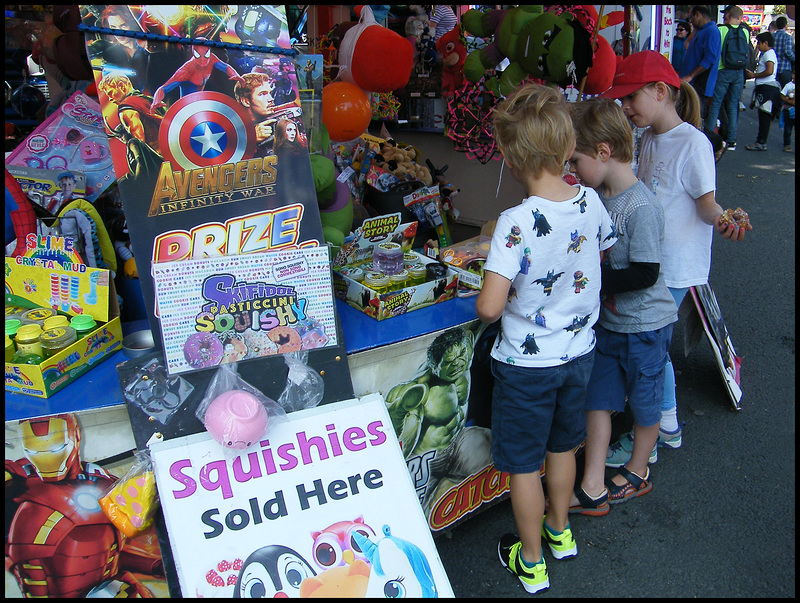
(193, 75)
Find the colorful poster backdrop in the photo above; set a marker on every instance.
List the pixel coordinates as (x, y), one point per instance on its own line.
(202, 108)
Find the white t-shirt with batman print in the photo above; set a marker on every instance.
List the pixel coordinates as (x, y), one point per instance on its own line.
(550, 251)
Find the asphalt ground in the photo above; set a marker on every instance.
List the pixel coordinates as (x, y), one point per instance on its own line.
(720, 519)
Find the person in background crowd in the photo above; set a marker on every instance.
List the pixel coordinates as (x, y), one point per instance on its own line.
(701, 63)
(442, 20)
(787, 114)
(682, 31)
(730, 81)
(784, 50)
(767, 93)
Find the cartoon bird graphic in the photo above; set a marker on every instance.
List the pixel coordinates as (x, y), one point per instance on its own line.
(335, 546)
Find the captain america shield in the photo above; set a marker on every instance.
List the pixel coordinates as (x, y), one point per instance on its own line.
(206, 129)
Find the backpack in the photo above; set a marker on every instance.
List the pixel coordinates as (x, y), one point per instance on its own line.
(734, 49)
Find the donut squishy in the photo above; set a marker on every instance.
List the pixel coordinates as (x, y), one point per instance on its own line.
(287, 339)
(235, 349)
(236, 419)
(203, 350)
(259, 344)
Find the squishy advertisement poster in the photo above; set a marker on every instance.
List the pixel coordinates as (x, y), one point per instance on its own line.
(323, 507)
(203, 115)
(226, 309)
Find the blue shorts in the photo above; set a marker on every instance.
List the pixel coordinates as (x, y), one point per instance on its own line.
(537, 410)
(632, 365)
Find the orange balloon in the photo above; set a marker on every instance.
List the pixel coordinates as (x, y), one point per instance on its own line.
(346, 111)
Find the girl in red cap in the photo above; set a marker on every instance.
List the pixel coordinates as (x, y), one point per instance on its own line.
(676, 162)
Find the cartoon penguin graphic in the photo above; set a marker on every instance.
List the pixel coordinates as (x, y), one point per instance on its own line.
(272, 571)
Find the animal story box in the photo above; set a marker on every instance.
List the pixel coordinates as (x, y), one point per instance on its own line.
(51, 275)
(358, 253)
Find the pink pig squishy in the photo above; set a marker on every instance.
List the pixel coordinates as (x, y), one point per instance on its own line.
(236, 419)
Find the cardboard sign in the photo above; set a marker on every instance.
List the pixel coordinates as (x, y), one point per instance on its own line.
(324, 506)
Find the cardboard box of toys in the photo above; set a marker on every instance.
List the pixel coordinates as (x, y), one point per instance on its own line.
(50, 275)
(467, 259)
(354, 268)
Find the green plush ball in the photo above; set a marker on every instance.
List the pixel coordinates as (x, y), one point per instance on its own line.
(324, 179)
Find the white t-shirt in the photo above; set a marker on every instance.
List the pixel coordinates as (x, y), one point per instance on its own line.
(788, 90)
(763, 59)
(550, 251)
(678, 167)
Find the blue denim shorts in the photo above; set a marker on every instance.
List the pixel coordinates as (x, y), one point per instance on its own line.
(632, 365)
(537, 410)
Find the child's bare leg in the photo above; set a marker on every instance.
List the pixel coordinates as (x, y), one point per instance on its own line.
(598, 436)
(560, 478)
(527, 501)
(644, 439)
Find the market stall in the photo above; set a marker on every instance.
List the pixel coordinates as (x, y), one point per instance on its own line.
(288, 265)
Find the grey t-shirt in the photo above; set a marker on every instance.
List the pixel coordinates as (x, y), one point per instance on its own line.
(639, 224)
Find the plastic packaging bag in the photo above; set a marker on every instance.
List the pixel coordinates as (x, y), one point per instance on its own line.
(235, 413)
(133, 501)
(304, 386)
(147, 385)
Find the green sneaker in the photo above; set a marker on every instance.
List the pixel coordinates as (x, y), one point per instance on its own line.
(619, 453)
(533, 580)
(562, 546)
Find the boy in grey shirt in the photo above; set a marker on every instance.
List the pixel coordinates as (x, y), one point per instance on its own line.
(634, 330)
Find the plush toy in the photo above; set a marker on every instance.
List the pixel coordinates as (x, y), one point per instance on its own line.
(504, 27)
(399, 161)
(555, 48)
(335, 203)
(552, 47)
(374, 57)
(453, 52)
(604, 65)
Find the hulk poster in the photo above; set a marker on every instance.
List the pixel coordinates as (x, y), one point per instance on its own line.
(202, 110)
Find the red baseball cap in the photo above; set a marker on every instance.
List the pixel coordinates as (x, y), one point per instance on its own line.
(638, 70)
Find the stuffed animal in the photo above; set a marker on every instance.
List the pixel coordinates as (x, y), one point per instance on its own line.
(504, 27)
(555, 48)
(400, 162)
(335, 203)
(374, 57)
(453, 52)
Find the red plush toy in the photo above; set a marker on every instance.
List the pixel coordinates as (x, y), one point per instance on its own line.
(453, 52)
(604, 64)
(374, 57)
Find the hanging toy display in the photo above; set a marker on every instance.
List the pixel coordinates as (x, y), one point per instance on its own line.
(368, 41)
(469, 121)
(554, 47)
(451, 48)
(346, 111)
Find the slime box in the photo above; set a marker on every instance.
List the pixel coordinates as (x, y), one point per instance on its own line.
(358, 253)
(51, 275)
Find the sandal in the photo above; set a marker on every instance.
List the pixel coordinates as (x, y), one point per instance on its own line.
(590, 506)
(756, 147)
(636, 486)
